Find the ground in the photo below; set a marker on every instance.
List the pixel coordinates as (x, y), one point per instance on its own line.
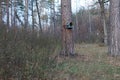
(92, 63)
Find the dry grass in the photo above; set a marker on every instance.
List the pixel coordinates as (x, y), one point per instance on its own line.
(92, 63)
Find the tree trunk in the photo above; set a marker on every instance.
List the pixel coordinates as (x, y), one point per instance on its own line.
(54, 21)
(103, 18)
(38, 11)
(7, 8)
(67, 34)
(90, 25)
(11, 13)
(0, 12)
(14, 19)
(26, 14)
(76, 32)
(114, 46)
(32, 16)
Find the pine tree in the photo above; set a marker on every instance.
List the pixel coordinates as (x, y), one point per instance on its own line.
(67, 30)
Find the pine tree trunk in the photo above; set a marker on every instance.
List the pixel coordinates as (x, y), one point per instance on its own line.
(114, 47)
(67, 34)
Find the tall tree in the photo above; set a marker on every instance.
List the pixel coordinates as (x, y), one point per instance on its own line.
(32, 2)
(18, 6)
(103, 18)
(14, 20)
(7, 10)
(0, 11)
(114, 47)
(52, 16)
(39, 15)
(76, 19)
(67, 34)
(11, 12)
(26, 14)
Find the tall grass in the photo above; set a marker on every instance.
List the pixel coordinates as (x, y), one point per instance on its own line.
(24, 55)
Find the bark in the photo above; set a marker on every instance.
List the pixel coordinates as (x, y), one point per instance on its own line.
(38, 11)
(16, 16)
(15, 13)
(51, 22)
(67, 34)
(0, 12)
(76, 33)
(103, 18)
(90, 25)
(32, 17)
(33, 35)
(26, 14)
(7, 8)
(114, 46)
(54, 21)
(52, 17)
(13, 18)
(11, 13)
